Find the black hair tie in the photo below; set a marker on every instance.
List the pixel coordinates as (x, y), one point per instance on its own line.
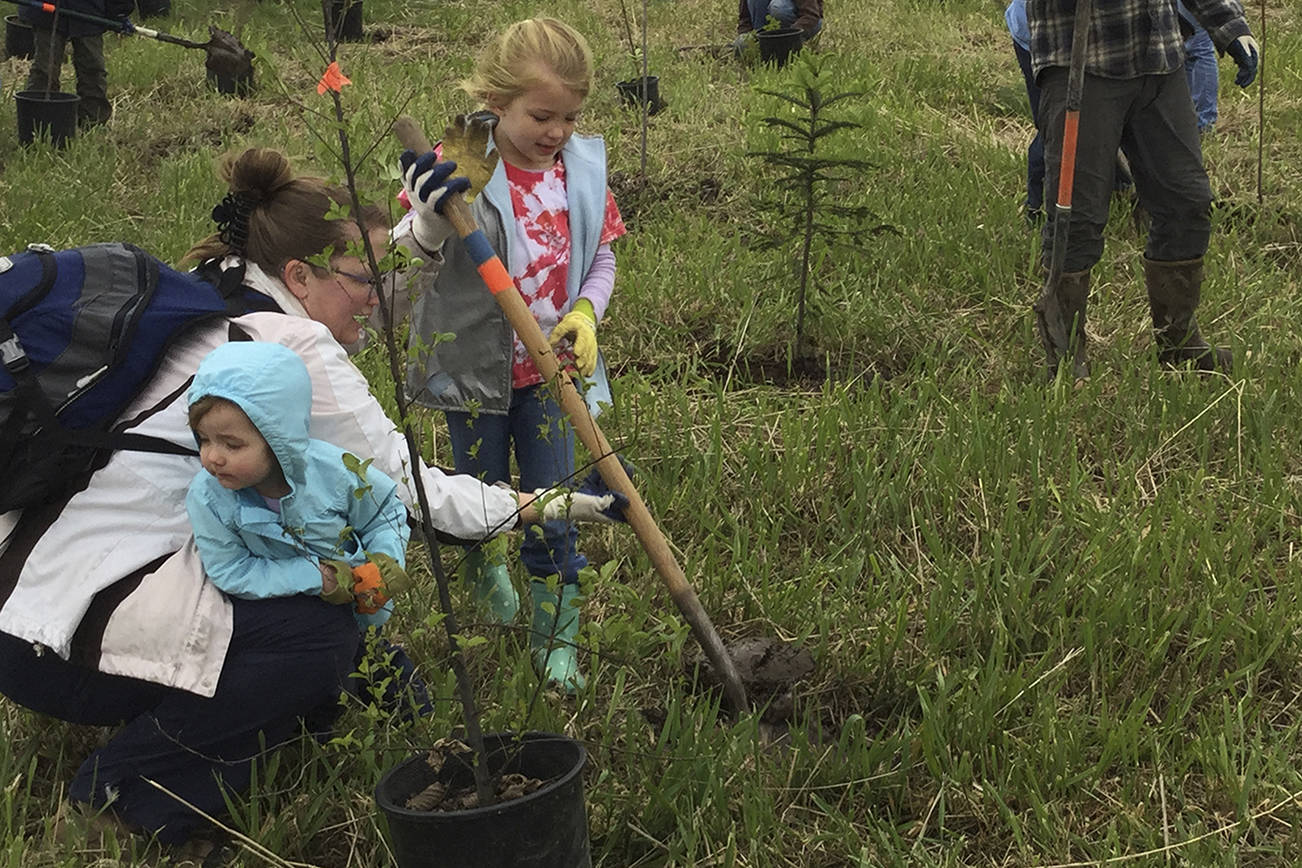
(232, 218)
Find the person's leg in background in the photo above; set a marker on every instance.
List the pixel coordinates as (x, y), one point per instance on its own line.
(47, 60)
(1202, 73)
(1035, 150)
(1166, 155)
(92, 80)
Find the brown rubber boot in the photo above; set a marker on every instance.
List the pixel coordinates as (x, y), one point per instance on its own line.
(1174, 289)
(1060, 317)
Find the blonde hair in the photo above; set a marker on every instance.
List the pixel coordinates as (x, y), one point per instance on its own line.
(509, 65)
(287, 214)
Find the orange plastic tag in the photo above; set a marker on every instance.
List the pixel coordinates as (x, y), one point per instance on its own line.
(332, 79)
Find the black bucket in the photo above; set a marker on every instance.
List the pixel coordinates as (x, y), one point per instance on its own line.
(346, 19)
(778, 46)
(631, 92)
(154, 8)
(20, 42)
(43, 113)
(546, 829)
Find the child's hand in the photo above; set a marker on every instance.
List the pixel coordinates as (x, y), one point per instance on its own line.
(392, 574)
(428, 183)
(376, 581)
(579, 326)
(332, 591)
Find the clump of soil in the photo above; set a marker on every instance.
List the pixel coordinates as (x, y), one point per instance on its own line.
(769, 669)
(449, 759)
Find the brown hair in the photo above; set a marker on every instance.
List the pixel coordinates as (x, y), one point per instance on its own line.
(286, 219)
(508, 66)
(203, 407)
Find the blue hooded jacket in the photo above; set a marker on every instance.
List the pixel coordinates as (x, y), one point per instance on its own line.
(250, 551)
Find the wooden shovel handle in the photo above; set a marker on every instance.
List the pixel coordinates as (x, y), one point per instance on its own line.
(653, 541)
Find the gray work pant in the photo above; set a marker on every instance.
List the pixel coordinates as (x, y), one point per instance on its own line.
(87, 62)
(1152, 119)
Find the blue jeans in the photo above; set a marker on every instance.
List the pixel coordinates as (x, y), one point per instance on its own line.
(1200, 67)
(544, 452)
(783, 10)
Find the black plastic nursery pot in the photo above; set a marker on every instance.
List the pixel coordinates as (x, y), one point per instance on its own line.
(346, 19)
(46, 114)
(154, 8)
(231, 83)
(20, 41)
(634, 94)
(547, 828)
(778, 46)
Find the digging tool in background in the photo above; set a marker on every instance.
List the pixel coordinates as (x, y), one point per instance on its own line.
(1055, 325)
(466, 142)
(226, 54)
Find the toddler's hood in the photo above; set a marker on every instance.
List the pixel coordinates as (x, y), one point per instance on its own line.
(270, 383)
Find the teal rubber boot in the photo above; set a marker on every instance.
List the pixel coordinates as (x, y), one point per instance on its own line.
(484, 571)
(555, 624)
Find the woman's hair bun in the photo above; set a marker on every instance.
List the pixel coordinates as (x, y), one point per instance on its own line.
(257, 173)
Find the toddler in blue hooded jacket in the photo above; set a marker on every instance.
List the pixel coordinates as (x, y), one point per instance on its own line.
(276, 513)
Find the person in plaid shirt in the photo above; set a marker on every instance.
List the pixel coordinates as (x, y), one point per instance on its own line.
(1135, 95)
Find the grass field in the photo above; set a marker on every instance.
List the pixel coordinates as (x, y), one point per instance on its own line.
(1051, 626)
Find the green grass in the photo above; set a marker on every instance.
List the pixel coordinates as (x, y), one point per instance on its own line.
(1051, 625)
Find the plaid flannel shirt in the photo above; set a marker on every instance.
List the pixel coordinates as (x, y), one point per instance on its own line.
(1128, 38)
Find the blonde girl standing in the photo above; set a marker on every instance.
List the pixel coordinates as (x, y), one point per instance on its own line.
(551, 218)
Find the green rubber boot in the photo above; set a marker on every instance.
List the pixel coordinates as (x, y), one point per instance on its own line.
(484, 571)
(554, 654)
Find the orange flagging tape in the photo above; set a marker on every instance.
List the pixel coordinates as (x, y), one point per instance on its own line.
(332, 79)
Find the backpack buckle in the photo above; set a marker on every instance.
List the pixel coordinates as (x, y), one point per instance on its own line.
(12, 355)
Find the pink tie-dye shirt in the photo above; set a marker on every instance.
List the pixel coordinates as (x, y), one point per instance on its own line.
(540, 258)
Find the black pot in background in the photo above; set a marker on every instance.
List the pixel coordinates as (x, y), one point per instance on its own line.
(345, 18)
(631, 92)
(778, 46)
(154, 8)
(546, 829)
(46, 113)
(229, 83)
(19, 39)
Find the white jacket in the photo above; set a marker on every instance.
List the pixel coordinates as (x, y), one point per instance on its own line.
(113, 580)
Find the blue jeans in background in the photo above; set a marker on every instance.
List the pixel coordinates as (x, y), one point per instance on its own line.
(544, 452)
(783, 10)
(1035, 150)
(1200, 67)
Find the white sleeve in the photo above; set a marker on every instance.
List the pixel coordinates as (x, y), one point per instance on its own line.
(346, 414)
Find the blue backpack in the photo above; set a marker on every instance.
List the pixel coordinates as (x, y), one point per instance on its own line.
(82, 331)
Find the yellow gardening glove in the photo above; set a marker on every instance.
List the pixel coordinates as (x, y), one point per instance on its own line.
(579, 326)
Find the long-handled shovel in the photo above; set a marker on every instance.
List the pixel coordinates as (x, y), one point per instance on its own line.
(1053, 320)
(466, 142)
(224, 50)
